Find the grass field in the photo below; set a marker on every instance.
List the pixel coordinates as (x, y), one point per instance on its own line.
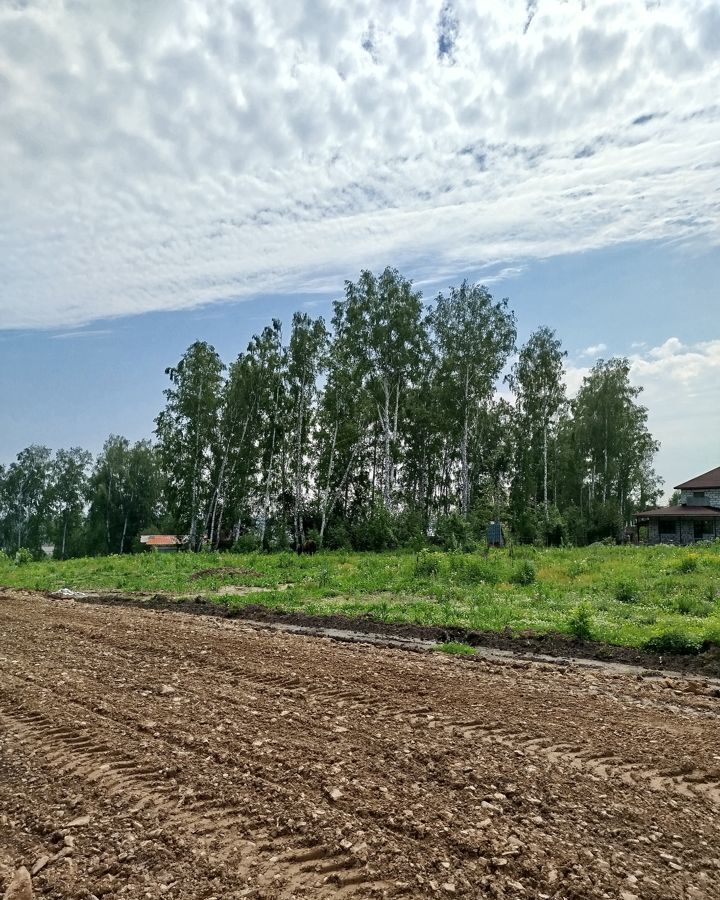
(620, 595)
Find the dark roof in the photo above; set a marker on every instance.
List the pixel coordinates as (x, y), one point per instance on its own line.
(672, 512)
(709, 479)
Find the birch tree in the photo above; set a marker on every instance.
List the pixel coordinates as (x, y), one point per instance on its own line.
(537, 381)
(305, 361)
(188, 433)
(474, 336)
(382, 333)
(68, 496)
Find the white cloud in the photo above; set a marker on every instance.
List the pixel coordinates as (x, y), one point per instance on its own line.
(89, 332)
(167, 154)
(594, 350)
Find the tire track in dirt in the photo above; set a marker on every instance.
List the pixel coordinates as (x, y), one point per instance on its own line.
(690, 783)
(136, 788)
(294, 767)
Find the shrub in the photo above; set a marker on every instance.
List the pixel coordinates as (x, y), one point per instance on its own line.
(687, 564)
(246, 543)
(427, 564)
(580, 621)
(476, 570)
(626, 591)
(525, 573)
(687, 606)
(454, 533)
(23, 557)
(673, 641)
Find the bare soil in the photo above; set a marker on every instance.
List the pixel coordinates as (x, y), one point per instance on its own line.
(705, 662)
(154, 754)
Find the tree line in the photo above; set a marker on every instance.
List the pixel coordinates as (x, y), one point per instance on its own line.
(389, 426)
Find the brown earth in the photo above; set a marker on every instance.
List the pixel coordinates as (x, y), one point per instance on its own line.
(155, 754)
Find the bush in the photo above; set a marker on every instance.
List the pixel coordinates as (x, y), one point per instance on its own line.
(475, 571)
(246, 543)
(688, 564)
(525, 573)
(687, 606)
(672, 641)
(580, 621)
(427, 564)
(337, 537)
(454, 533)
(626, 591)
(23, 557)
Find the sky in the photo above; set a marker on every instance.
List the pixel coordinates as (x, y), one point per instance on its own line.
(179, 169)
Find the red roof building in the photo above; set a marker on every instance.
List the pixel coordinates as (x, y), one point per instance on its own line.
(166, 543)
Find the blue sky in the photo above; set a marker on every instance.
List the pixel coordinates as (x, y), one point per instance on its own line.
(178, 170)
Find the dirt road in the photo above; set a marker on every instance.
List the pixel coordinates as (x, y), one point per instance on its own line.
(200, 758)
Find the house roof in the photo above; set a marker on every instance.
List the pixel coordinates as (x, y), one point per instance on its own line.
(686, 512)
(160, 540)
(709, 479)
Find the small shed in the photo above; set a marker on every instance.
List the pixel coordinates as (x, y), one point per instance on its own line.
(495, 535)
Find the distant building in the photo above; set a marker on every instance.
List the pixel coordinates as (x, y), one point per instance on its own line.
(696, 518)
(163, 543)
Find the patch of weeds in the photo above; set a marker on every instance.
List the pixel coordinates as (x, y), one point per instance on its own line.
(687, 606)
(576, 568)
(626, 591)
(455, 648)
(688, 564)
(580, 623)
(673, 641)
(382, 610)
(525, 573)
(477, 571)
(427, 564)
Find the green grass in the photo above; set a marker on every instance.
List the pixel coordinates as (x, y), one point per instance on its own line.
(630, 594)
(455, 648)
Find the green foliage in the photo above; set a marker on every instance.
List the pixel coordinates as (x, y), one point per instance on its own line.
(688, 563)
(447, 591)
(246, 543)
(454, 533)
(427, 564)
(673, 641)
(580, 622)
(525, 572)
(692, 606)
(23, 557)
(455, 648)
(626, 591)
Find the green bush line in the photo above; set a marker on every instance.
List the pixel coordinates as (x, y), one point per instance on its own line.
(619, 595)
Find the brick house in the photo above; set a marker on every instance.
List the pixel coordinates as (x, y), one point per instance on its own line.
(697, 518)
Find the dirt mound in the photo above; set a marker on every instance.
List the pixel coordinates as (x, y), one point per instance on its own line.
(164, 755)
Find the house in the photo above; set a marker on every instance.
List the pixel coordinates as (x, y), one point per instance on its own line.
(163, 543)
(697, 518)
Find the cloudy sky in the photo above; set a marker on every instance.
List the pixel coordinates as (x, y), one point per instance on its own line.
(178, 169)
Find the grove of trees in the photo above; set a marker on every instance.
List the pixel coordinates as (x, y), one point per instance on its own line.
(389, 426)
